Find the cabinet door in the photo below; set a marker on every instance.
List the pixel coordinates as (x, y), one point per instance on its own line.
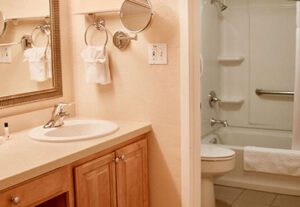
(132, 175)
(96, 183)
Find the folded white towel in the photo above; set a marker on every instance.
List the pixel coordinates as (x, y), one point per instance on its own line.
(39, 66)
(96, 64)
(275, 161)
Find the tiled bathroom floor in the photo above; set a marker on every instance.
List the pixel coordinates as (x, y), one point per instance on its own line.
(236, 197)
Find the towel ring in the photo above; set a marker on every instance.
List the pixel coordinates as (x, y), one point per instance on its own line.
(98, 26)
(45, 29)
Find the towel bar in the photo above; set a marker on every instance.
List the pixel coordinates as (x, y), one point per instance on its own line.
(9, 44)
(26, 42)
(260, 92)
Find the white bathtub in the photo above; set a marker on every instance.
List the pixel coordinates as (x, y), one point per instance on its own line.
(237, 139)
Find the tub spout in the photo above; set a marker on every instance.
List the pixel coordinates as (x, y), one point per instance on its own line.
(214, 122)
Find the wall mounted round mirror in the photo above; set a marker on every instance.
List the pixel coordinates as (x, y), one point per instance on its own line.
(136, 15)
(2, 24)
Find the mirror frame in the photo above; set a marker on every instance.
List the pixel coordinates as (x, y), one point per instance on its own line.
(56, 90)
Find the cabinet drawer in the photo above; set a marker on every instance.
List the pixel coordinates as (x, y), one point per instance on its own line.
(36, 190)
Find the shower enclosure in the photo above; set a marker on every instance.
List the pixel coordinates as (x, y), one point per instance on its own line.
(248, 53)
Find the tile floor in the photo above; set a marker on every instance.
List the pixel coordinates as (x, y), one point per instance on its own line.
(237, 197)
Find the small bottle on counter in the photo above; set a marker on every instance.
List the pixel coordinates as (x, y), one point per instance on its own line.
(6, 131)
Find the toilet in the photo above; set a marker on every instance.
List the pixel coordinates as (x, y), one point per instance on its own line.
(215, 162)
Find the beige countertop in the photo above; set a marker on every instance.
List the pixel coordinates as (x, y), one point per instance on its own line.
(22, 158)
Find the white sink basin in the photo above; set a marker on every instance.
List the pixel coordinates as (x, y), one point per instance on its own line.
(74, 130)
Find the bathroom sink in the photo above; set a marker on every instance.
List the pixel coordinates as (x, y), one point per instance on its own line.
(74, 130)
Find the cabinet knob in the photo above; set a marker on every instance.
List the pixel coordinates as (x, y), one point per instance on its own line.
(123, 157)
(116, 160)
(15, 200)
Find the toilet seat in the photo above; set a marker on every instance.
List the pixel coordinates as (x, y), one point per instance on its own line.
(210, 152)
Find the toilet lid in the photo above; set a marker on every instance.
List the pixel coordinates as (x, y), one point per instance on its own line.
(210, 151)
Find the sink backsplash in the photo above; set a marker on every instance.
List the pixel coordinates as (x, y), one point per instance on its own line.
(30, 119)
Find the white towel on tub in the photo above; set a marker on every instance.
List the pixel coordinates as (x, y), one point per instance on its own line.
(274, 161)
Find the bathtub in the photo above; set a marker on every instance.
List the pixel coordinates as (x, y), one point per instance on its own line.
(236, 139)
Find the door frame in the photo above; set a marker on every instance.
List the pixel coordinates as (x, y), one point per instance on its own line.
(189, 15)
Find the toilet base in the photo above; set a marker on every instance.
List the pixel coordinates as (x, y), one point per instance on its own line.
(207, 193)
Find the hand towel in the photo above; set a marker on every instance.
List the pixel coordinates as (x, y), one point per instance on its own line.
(39, 66)
(96, 65)
(274, 161)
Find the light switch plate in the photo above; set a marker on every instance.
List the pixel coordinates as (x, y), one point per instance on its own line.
(158, 54)
(5, 55)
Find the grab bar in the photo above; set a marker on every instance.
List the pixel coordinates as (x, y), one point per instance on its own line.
(260, 92)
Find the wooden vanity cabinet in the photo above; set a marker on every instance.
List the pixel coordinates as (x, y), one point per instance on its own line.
(43, 191)
(118, 179)
(115, 177)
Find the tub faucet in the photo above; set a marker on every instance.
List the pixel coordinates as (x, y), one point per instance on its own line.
(214, 122)
(58, 116)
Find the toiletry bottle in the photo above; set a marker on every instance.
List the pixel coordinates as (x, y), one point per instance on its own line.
(6, 131)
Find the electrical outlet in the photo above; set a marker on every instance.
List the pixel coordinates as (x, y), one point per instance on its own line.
(5, 55)
(158, 54)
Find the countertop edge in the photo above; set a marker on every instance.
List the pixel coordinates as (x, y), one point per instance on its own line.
(50, 166)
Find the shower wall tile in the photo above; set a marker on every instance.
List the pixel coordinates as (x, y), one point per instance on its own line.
(270, 3)
(263, 32)
(236, 3)
(234, 77)
(272, 64)
(210, 47)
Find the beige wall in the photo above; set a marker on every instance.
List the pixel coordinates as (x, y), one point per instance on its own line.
(33, 114)
(24, 8)
(139, 91)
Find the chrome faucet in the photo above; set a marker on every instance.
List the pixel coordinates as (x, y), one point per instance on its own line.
(58, 116)
(214, 122)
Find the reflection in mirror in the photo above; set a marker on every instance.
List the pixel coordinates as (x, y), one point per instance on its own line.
(28, 69)
(136, 15)
(2, 24)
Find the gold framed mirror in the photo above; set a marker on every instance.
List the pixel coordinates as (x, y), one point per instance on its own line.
(42, 37)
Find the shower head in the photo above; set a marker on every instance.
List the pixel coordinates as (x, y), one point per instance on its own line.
(219, 4)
